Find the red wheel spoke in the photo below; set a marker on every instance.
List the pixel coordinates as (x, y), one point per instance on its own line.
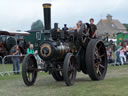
(29, 76)
(101, 56)
(99, 73)
(101, 66)
(70, 76)
(99, 47)
(97, 69)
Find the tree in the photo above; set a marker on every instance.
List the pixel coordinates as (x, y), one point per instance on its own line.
(37, 26)
(126, 25)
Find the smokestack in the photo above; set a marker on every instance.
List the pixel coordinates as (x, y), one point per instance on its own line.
(47, 21)
(47, 16)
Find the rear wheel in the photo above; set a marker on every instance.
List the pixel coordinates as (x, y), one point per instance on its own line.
(69, 69)
(10, 42)
(58, 75)
(14, 47)
(96, 60)
(29, 70)
(83, 62)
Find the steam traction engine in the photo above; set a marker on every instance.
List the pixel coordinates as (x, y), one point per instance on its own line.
(66, 53)
(8, 41)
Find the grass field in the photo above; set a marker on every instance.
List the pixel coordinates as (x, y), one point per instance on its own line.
(115, 84)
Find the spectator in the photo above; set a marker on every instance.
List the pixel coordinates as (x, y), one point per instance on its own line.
(109, 56)
(118, 61)
(15, 59)
(30, 50)
(122, 56)
(126, 53)
(38, 59)
(29, 43)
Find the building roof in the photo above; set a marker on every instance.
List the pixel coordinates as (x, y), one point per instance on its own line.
(113, 24)
(110, 26)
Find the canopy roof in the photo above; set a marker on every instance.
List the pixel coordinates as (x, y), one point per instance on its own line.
(13, 33)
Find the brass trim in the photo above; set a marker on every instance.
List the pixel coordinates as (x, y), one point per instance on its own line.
(47, 46)
(47, 5)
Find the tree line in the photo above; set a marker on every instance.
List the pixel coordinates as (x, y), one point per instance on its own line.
(126, 25)
(37, 26)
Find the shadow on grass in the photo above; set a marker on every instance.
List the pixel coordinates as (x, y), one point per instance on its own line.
(83, 80)
(49, 82)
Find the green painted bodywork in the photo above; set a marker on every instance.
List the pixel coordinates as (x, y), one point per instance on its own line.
(121, 37)
(32, 38)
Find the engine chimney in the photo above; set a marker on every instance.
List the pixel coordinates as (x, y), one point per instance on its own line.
(47, 20)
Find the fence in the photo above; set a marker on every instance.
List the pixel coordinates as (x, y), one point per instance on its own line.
(0, 59)
(6, 68)
(1, 69)
(7, 64)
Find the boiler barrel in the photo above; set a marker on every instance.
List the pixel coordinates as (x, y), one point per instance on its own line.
(49, 50)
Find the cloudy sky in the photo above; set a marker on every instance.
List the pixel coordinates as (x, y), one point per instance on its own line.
(19, 14)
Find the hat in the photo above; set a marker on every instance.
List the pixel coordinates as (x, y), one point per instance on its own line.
(80, 21)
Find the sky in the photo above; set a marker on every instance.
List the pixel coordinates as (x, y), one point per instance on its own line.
(19, 14)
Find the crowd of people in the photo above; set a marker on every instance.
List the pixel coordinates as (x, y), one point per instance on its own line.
(121, 54)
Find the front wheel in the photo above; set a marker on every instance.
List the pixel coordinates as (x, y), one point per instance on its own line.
(29, 70)
(69, 69)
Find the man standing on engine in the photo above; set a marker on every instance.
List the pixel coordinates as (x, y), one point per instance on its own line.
(92, 33)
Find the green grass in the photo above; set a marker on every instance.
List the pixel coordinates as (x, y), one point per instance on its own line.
(115, 84)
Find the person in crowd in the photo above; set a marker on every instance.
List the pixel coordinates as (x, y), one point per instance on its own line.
(29, 43)
(65, 28)
(118, 61)
(30, 50)
(126, 53)
(109, 56)
(38, 59)
(64, 33)
(15, 59)
(55, 32)
(122, 54)
(93, 29)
